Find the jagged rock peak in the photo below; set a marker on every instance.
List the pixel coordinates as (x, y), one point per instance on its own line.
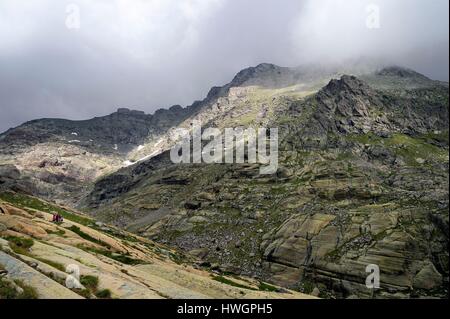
(261, 70)
(127, 111)
(346, 83)
(264, 74)
(400, 72)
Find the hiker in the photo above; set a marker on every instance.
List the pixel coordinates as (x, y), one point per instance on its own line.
(57, 218)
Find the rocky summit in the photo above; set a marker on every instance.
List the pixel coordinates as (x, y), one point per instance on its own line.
(362, 181)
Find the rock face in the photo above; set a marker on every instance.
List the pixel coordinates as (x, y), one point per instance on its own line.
(362, 180)
(427, 278)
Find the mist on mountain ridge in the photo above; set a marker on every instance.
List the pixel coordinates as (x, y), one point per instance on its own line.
(147, 55)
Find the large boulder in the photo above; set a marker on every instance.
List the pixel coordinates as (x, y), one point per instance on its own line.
(427, 278)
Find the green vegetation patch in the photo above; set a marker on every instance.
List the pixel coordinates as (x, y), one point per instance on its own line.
(8, 291)
(86, 293)
(306, 286)
(124, 259)
(369, 138)
(118, 234)
(266, 287)
(25, 243)
(411, 149)
(59, 232)
(177, 258)
(54, 264)
(20, 245)
(231, 282)
(28, 291)
(88, 237)
(24, 201)
(91, 288)
(103, 294)
(439, 137)
(262, 285)
(89, 282)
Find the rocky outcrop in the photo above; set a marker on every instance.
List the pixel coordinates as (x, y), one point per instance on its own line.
(350, 106)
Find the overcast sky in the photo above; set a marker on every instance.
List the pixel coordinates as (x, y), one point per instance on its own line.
(149, 54)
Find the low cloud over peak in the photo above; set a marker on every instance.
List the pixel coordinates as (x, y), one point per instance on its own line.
(151, 54)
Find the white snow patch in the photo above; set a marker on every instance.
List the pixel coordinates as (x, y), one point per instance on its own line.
(115, 147)
(74, 133)
(127, 163)
(75, 141)
(140, 147)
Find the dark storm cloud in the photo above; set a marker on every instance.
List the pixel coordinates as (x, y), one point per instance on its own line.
(155, 53)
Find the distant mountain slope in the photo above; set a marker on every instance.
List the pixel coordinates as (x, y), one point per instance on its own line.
(58, 159)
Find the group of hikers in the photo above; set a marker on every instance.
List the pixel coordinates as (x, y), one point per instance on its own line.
(57, 218)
